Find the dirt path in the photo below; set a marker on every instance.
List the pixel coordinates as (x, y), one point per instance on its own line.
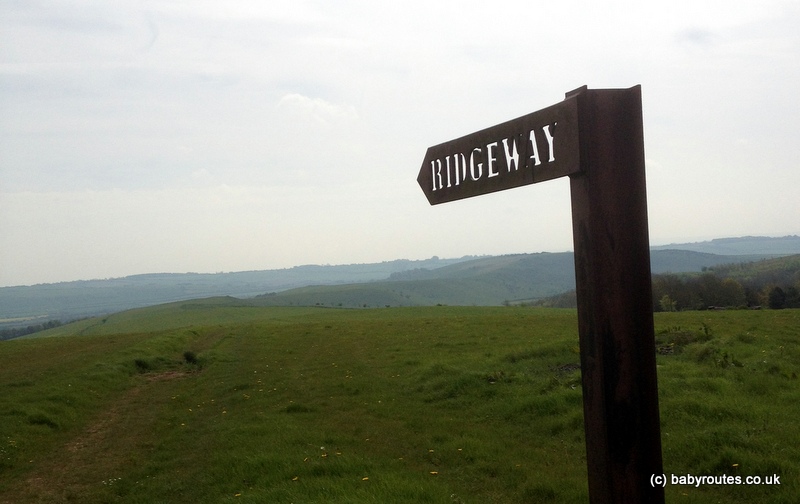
(116, 439)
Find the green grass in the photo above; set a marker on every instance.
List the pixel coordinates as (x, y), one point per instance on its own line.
(437, 404)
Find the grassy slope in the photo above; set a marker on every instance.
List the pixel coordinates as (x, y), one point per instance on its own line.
(488, 281)
(438, 404)
(485, 281)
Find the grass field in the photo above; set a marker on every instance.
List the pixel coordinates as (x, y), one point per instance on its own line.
(216, 401)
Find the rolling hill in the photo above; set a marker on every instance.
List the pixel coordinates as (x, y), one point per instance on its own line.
(23, 305)
(470, 280)
(745, 245)
(488, 281)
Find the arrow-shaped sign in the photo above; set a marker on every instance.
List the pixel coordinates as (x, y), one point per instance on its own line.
(539, 146)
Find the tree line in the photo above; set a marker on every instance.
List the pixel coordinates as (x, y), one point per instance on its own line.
(709, 291)
(16, 332)
(771, 283)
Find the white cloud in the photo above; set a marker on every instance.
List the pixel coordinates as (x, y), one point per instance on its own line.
(320, 111)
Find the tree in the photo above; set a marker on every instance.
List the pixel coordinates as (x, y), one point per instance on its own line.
(667, 304)
(777, 298)
(733, 293)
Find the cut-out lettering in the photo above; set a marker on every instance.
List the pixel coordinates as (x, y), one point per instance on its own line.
(512, 156)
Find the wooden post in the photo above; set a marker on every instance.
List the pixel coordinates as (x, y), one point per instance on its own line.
(615, 310)
(595, 137)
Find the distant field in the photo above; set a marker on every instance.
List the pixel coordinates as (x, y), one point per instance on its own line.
(216, 401)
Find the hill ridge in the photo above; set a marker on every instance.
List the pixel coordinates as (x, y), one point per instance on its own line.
(467, 280)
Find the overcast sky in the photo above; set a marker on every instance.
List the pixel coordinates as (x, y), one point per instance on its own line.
(207, 136)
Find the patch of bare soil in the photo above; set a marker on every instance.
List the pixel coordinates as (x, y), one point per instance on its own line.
(567, 368)
(166, 375)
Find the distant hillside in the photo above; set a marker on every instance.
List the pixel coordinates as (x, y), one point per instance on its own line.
(464, 281)
(484, 281)
(487, 281)
(770, 283)
(25, 305)
(746, 245)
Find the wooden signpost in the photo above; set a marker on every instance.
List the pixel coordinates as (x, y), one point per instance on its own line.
(596, 138)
